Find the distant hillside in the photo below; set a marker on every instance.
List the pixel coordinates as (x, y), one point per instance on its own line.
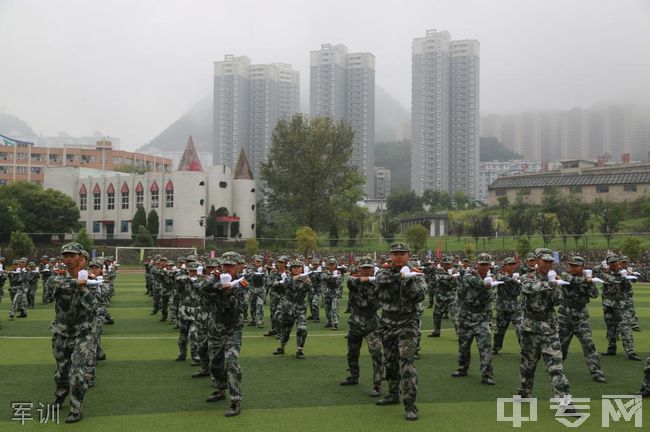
(396, 156)
(389, 118)
(492, 149)
(12, 126)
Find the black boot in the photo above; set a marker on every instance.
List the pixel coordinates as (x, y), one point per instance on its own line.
(234, 410)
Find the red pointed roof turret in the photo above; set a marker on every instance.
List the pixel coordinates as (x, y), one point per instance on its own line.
(243, 169)
(190, 160)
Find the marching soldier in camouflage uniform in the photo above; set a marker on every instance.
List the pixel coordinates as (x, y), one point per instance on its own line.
(314, 297)
(95, 273)
(445, 295)
(400, 292)
(363, 323)
(225, 297)
(474, 302)
(631, 308)
(46, 271)
(275, 281)
(292, 308)
(508, 304)
(33, 274)
(539, 334)
(573, 315)
(72, 332)
(615, 309)
(18, 286)
(201, 319)
(255, 277)
(189, 307)
(527, 266)
(430, 270)
(332, 293)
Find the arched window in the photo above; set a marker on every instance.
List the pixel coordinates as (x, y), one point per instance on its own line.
(139, 196)
(155, 196)
(83, 198)
(97, 197)
(169, 194)
(125, 196)
(110, 196)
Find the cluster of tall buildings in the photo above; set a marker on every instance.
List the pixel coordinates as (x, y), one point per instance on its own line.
(618, 133)
(250, 99)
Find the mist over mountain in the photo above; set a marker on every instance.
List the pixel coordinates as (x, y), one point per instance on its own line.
(390, 118)
(12, 126)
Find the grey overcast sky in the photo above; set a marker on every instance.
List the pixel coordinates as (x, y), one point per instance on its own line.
(130, 68)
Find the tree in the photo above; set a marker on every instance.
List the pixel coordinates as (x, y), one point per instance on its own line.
(523, 246)
(334, 235)
(21, 244)
(306, 238)
(403, 201)
(85, 240)
(309, 166)
(440, 200)
(153, 224)
(480, 226)
(9, 220)
(610, 215)
(416, 236)
(388, 229)
(631, 247)
(461, 201)
(521, 217)
(41, 211)
(503, 204)
(211, 222)
(251, 247)
(458, 226)
(143, 238)
(546, 226)
(552, 199)
(139, 219)
(356, 220)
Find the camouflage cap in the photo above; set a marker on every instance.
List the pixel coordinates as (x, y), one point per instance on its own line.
(73, 248)
(163, 259)
(191, 258)
(466, 259)
(181, 260)
(171, 262)
(448, 259)
(612, 259)
(96, 263)
(241, 260)
(2, 259)
(22, 259)
(230, 258)
(544, 253)
(45, 257)
(367, 262)
(623, 258)
(31, 264)
(577, 260)
(484, 258)
(399, 247)
(212, 262)
(258, 258)
(296, 263)
(157, 256)
(193, 266)
(332, 261)
(85, 254)
(509, 260)
(530, 256)
(52, 260)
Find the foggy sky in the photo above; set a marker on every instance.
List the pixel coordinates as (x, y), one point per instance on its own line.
(130, 68)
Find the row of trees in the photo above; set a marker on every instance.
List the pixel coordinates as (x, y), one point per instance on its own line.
(407, 201)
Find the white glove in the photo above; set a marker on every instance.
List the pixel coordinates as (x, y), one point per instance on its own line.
(597, 280)
(236, 282)
(496, 283)
(193, 278)
(588, 273)
(488, 280)
(551, 275)
(305, 276)
(100, 278)
(561, 282)
(515, 275)
(199, 270)
(372, 279)
(82, 275)
(183, 266)
(624, 273)
(93, 282)
(405, 269)
(225, 278)
(450, 271)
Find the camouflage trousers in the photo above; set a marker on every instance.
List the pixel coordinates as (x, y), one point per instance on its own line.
(399, 341)
(164, 304)
(444, 305)
(31, 294)
(188, 333)
(247, 297)
(174, 304)
(503, 320)
(645, 384)
(331, 305)
(617, 321)
(431, 293)
(224, 345)
(356, 335)
(202, 344)
(273, 306)
(576, 322)
(257, 306)
(631, 311)
(95, 346)
(288, 317)
(155, 294)
(546, 346)
(480, 331)
(19, 302)
(73, 355)
(313, 299)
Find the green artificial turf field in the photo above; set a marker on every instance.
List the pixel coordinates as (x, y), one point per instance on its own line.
(140, 387)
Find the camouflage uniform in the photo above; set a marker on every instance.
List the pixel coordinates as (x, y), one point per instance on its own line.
(314, 297)
(573, 319)
(539, 335)
(100, 297)
(255, 277)
(364, 323)
(292, 308)
(508, 309)
(46, 273)
(474, 302)
(432, 282)
(445, 297)
(225, 327)
(645, 384)
(18, 287)
(72, 335)
(32, 277)
(274, 281)
(399, 299)
(615, 311)
(332, 293)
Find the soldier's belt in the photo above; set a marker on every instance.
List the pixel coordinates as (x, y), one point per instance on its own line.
(578, 305)
(399, 316)
(538, 316)
(474, 309)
